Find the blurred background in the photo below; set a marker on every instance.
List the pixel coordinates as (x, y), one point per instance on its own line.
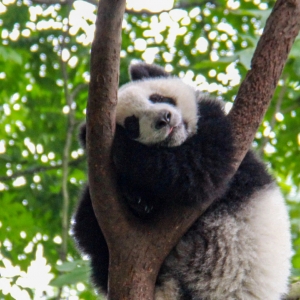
(44, 76)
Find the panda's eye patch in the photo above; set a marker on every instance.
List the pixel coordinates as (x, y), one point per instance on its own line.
(132, 127)
(156, 98)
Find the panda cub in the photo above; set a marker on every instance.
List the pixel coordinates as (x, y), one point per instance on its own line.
(174, 147)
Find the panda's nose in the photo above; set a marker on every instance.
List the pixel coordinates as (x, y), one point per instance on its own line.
(163, 119)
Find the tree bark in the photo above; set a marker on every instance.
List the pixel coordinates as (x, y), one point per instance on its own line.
(268, 60)
(137, 249)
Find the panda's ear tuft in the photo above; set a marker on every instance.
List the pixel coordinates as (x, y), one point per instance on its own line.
(143, 71)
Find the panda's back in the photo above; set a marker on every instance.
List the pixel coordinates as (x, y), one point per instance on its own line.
(239, 249)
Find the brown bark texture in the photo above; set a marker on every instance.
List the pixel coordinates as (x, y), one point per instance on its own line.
(268, 60)
(137, 249)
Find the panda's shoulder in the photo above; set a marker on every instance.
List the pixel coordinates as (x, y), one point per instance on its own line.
(209, 107)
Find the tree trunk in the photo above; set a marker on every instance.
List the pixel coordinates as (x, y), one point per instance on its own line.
(137, 250)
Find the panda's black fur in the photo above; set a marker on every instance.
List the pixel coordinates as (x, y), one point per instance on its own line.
(154, 177)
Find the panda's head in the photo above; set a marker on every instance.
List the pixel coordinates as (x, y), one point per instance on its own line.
(156, 109)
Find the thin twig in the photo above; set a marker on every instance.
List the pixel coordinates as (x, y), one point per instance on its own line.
(67, 147)
(295, 106)
(39, 169)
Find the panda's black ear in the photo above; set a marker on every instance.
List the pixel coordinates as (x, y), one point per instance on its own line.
(82, 135)
(143, 71)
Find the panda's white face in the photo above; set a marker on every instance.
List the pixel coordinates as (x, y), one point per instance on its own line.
(158, 111)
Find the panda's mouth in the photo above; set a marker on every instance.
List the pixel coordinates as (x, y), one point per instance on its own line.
(172, 131)
(173, 128)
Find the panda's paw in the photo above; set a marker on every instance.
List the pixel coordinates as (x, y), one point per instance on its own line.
(139, 206)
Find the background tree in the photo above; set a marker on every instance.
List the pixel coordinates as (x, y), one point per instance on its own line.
(43, 89)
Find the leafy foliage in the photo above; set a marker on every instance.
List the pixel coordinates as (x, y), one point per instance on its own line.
(44, 74)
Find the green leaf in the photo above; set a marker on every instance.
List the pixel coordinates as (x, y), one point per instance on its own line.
(71, 265)
(296, 261)
(77, 275)
(262, 14)
(10, 55)
(245, 57)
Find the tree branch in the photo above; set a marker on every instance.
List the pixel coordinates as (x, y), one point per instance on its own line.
(279, 101)
(39, 169)
(67, 147)
(259, 85)
(137, 249)
(295, 106)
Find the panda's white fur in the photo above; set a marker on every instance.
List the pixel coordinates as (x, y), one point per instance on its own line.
(240, 248)
(133, 98)
(252, 260)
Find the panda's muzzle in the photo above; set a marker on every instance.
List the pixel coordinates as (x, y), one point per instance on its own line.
(163, 120)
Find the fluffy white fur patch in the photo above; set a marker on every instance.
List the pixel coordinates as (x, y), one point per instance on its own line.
(247, 255)
(133, 99)
(169, 291)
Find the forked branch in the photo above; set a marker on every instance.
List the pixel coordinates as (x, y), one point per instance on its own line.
(137, 250)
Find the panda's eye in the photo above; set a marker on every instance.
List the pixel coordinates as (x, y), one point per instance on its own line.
(156, 98)
(132, 127)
